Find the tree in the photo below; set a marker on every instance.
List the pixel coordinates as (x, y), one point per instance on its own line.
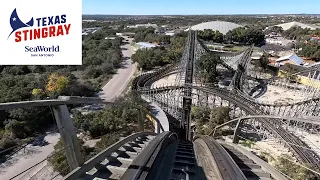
(6, 141)
(210, 35)
(207, 120)
(284, 164)
(148, 35)
(17, 129)
(56, 84)
(149, 58)
(295, 32)
(311, 50)
(16, 88)
(208, 68)
(275, 29)
(201, 116)
(243, 35)
(254, 36)
(219, 115)
(288, 72)
(16, 70)
(114, 119)
(262, 62)
(247, 143)
(38, 93)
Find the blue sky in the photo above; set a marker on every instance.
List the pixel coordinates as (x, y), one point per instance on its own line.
(187, 7)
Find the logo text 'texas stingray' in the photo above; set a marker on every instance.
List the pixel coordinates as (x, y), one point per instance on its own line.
(39, 28)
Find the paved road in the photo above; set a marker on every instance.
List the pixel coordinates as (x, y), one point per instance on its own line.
(120, 80)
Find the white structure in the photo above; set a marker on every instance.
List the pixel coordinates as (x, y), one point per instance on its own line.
(273, 41)
(291, 59)
(279, 41)
(89, 20)
(110, 38)
(143, 25)
(86, 31)
(315, 64)
(256, 55)
(125, 34)
(286, 26)
(170, 33)
(146, 45)
(221, 26)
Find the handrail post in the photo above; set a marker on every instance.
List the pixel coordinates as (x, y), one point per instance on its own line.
(68, 136)
(237, 131)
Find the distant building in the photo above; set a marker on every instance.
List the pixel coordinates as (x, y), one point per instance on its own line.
(86, 31)
(286, 26)
(278, 40)
(315, 38)
(172, 32)
(125, 34)
(160, 31)
(143, 25)
(89, 20)
(146, 45)
(221, 26)
(291, 59)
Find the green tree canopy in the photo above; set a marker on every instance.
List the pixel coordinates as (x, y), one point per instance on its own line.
(207, 119)
(208, 68)
(246, 35)
(210, 35)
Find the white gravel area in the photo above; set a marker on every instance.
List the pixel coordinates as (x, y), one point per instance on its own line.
(165, 81)
(276, 94)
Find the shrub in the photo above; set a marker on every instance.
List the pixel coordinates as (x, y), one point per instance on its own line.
(59, 160)
(106, 141)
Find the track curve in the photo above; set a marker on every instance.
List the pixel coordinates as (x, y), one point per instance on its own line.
(241, 100)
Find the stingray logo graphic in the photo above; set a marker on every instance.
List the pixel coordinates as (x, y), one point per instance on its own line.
(38, 28)
(16, 23)
(41, 33)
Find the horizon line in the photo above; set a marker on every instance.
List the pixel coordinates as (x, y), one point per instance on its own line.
(200, 14)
